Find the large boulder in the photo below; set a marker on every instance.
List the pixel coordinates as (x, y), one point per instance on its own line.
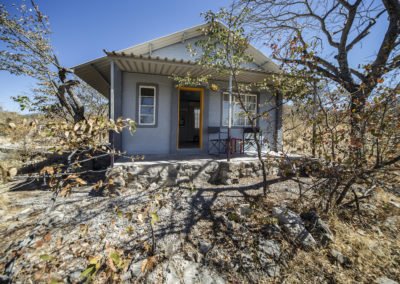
(179, 270)
(294, 227)
(317, 227)
(269, 252)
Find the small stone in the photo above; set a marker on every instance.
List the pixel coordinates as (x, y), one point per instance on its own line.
(271, 231)
(12, 172)
(4, 279)
(119, 181)
(75, 276)
(395, 204)
(153, 186)
(227, 181)
(385, 280)
(182, 179)
(377, 230)
(245, 209)
(126, 276)
(392, 222)
(135, 268)
(25, 213)
(337, 256)
(204, 247)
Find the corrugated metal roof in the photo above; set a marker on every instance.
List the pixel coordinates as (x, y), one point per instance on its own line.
(97, 72)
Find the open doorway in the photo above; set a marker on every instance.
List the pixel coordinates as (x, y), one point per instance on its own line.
(190, 118)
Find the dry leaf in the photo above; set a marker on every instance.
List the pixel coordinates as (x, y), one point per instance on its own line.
(59, 242)
(80, 181)
(47, 237)
(47, 170)
(148, 264)
(12, 172)
(140, 218)
(111, 265)
(83, 228)
(39, 243)
(147, 246)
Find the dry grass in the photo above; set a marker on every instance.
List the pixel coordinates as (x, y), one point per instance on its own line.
(372, 247)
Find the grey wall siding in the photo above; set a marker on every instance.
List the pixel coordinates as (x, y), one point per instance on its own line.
(162, 139)
(214, 118)
(179, 51)
(147, 140)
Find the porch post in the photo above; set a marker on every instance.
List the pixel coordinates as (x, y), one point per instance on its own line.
(111, 105)
(229, 118)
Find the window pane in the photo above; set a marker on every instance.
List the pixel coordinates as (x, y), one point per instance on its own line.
(148, 92)
(144, 119)
(197, 118)
(147, 101)
(146, 110)
(252, 107)
(239, 118)
(225, 111)
(252, 99)
(226, 97)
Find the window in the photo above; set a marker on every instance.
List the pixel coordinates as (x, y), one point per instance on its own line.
(239, 118)
(147, 105)
(196, 118)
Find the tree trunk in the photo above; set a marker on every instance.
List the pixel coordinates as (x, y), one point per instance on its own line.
(356, 132)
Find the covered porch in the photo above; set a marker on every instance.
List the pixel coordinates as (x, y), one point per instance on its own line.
(117, 77)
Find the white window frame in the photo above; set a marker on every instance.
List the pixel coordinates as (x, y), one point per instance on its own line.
(154, 105)
(246, 121)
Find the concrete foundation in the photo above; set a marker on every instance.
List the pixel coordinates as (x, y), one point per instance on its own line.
(195, 171)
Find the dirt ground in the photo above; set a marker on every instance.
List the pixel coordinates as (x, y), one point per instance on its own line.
(59, 244)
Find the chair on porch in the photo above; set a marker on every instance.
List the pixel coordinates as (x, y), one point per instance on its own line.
(217, 138)
(249, 143)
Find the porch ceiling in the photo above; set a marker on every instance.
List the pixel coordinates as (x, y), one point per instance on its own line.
(97, 72)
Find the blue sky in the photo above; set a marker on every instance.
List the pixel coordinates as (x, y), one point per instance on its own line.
(82, 29)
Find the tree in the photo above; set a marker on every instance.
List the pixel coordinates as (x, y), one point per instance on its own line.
(26, 50)
(320, 37)
(83, 129)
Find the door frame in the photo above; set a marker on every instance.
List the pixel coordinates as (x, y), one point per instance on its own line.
(201, 90)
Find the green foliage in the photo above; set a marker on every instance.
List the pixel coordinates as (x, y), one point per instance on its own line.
(46, 257)
(154, 218)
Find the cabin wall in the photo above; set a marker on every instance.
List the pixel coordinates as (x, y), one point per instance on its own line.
(162, 138)
(147, 139)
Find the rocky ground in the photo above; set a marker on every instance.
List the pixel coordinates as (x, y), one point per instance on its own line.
(212, 234)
